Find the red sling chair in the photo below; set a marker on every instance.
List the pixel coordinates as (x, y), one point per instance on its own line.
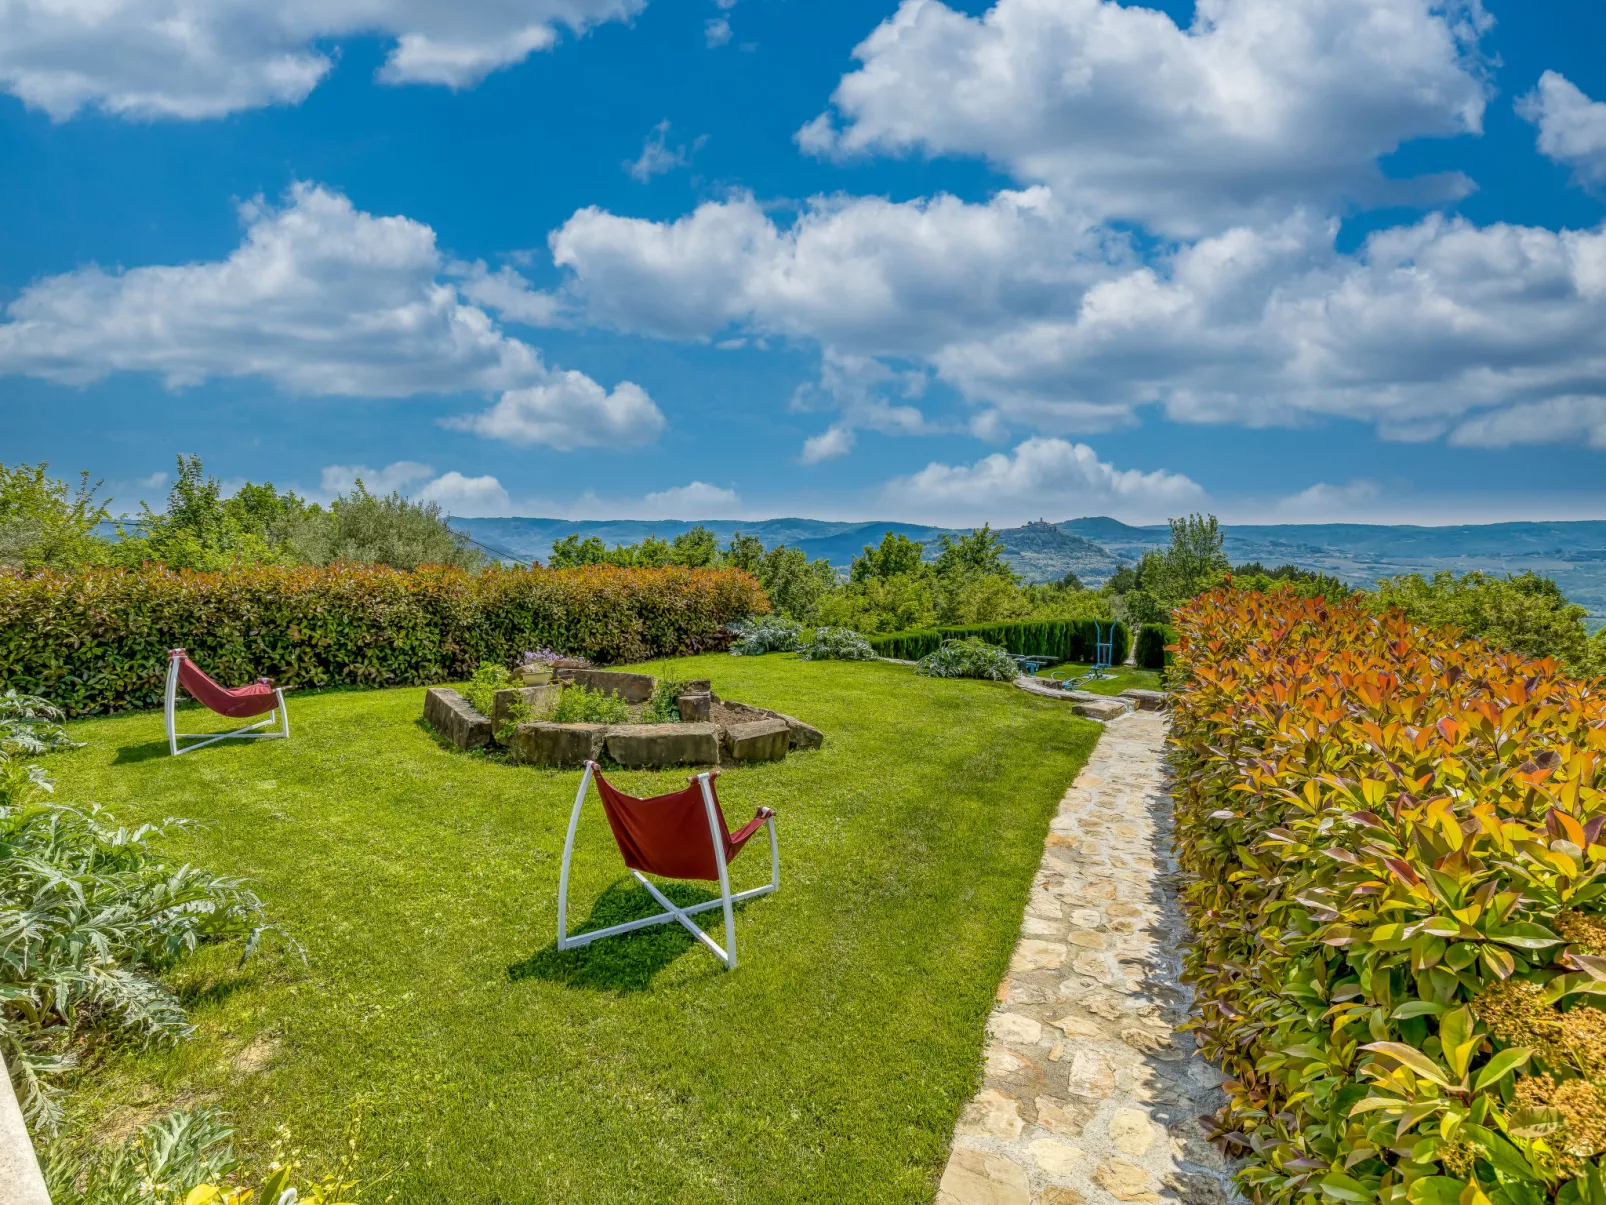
(678, 836)
(239, 703)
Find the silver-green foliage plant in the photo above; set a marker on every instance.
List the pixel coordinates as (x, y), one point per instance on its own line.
(489, 677)
(766, 634)
(971, 657)
(838, 644)
(578, 705)
(90, 917)
(160, 1163)
(187, 1157)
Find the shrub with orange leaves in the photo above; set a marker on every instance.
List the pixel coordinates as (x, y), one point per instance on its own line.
(1393, 844)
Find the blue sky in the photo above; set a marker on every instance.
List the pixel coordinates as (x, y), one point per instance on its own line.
(1281, 259)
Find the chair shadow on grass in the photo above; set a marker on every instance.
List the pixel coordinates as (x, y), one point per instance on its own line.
(151, 750)
(629, 961)
(146, 751)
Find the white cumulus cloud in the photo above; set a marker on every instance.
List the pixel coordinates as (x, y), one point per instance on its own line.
(1331, 502)
(321, 299)
(699, 500)
(1572, 127)
(657, 156)
(1258, 105)
(457, 493)
(568, 411)
(1039, 476)
(470, 497)
(1554, 420)
(205, 58)
(1049, 324)
(342, 478)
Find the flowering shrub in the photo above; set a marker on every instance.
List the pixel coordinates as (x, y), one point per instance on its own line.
(972, 657)
(97, 640)
(767, 634)
(838, 644)
(1393, 840)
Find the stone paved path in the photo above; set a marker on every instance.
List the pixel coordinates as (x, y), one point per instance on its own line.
(1089, 1097)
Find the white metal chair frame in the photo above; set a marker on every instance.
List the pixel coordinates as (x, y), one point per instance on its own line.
(674, 913)
(279, 715)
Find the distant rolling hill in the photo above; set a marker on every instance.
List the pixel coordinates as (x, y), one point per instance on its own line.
(1039, 552)
(1572, 553)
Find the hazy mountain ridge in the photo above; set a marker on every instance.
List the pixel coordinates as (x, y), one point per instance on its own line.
(1574, 553)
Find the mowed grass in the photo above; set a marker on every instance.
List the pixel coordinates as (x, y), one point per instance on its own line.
(487, 1067)
(1124, 677)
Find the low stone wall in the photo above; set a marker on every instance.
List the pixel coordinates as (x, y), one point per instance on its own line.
(1095, 706)
(712, 730)
(455, 718)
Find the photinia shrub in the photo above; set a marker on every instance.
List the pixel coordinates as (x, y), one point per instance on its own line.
(97, 640)
(1392, 837)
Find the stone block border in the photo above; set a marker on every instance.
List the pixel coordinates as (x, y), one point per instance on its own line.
(711, 730)
(1095, 706)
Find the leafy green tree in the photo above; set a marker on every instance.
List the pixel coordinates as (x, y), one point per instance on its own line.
(194, 531)
(1122, 580)
(744, 552)
(394, 531)
(978, 553)
(896, 554)
(696, 549)
(571, 552)
(1193, 560)
(1527, 613)
(882, 604)
(46, 523)
(795, 584)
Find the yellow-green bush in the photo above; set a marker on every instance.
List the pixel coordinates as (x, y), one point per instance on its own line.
(97, 640)
(1392, 836)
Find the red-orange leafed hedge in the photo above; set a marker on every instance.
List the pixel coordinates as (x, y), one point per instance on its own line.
(97, 640)
(1396, 869)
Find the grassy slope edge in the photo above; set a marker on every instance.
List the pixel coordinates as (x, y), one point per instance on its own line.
(830, 1066)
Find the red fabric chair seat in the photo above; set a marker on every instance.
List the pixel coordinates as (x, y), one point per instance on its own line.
(667, 835)
(236, 703)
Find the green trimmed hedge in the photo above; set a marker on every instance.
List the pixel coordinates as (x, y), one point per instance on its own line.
(1152, 639)
(1066, 639)
(97, 641)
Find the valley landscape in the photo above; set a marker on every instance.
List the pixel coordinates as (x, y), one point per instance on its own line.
(1572, 553)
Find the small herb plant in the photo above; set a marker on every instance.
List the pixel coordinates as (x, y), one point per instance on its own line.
(578, 705)
(490, 677)
(662, 708)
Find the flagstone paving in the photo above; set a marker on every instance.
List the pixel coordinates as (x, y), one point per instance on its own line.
(1090, 1097)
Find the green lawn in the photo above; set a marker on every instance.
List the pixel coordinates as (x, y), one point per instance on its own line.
(1125, 678)
(487, 1067)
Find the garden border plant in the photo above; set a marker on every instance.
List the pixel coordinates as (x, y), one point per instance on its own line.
(97, 640)
(1396, 870)
(1066, 639)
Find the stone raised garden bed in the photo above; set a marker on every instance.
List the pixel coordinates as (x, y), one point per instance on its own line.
(712, 731)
